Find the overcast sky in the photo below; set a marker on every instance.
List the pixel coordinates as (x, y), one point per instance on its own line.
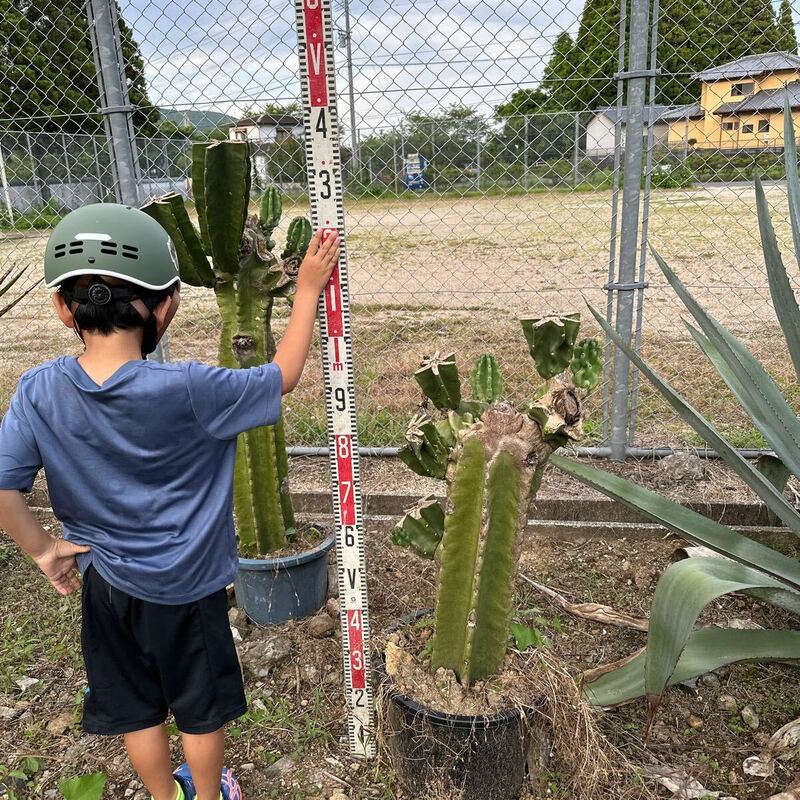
(225, 55)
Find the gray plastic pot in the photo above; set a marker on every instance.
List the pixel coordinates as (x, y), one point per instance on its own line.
(275, 590)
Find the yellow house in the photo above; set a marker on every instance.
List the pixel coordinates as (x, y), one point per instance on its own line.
(741, 104)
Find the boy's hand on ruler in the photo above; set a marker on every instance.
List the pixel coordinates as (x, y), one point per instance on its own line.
(317, 266)
(59, 565)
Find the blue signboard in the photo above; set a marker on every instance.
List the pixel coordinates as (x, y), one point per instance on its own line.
(414, 171)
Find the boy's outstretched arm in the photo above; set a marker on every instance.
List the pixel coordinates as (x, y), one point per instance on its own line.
(315, 270)
(55, 557)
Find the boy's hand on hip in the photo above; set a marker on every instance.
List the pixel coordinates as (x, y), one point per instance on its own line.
(59, 565)
(318, 263)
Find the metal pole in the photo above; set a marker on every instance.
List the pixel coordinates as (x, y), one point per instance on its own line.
(478, 159)
(629, 233)
(34, 174)
(6, 190)
(525, 176)
(686, 137)
(356, 156)
(433, 153)
(576, 135)
(66, 163)
(645, 218)
(612, 241)
(394, 161)
(115, 105)
(101, 192)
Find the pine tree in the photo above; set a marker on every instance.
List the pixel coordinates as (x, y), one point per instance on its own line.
(558, 74)
(741, 27)
(787, 36)
(49, 82)
(594, 57)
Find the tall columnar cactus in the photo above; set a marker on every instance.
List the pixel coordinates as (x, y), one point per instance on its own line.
(233, 254)
(492, 456)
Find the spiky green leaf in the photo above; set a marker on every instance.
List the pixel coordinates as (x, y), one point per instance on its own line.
(199, 191)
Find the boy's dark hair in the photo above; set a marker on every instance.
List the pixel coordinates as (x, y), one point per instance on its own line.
(115, 314)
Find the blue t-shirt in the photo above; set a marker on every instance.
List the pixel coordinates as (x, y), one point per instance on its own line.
(140, 468)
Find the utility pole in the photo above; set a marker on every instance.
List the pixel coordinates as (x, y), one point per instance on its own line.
(355, 155)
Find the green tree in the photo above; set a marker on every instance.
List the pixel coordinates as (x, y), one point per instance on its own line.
(740, 27)
(48, 81)
(559, 72)
(787, 36)
(523, 101)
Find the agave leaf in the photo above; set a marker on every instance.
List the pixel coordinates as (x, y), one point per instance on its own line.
(5, 309)
(780, 288)
(706, 649)
(772, 422)
(747, 379)
(689, 524)
(773, 499)
(7, 286)
(776, 472)
(683, 591)
(790, 159)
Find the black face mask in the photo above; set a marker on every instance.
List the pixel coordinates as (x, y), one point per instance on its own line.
(99, 293)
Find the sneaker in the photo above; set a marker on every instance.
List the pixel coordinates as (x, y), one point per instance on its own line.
(230, 786)
(184, 779)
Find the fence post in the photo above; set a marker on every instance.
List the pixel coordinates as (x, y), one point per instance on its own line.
(101, 191)
(478, 158)
(433, 154)
(576, 135)
(34, 172)
(117, 112)
(6, 190)
(394, 161)
(114, 103)
(66, 164)
(525, 176)
(629, 233)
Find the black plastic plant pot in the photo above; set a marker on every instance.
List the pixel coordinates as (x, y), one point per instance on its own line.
(433, 753)
(276, 590)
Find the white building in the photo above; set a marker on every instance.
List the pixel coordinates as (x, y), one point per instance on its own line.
(600, 130)
(265, 129)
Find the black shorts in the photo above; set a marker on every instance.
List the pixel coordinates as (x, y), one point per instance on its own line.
(144, 660)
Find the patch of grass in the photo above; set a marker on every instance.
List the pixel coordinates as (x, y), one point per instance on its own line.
(42, 217)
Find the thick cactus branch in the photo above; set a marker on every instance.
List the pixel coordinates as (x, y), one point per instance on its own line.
(551, 341)
(486, 380)
(421, 528)
(439, 381)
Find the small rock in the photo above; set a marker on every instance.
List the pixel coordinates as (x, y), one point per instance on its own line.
(727, 704)
(282, 767)
(332, 607)
(333, 580)
(6, 713)
(60, 724)
(681, 467)
(320, 626)
(51, 794)
(338, 796)
(710, 679)
(750, 717)
(247, 767)
(128, 792)
(761, 738)
(237, 637)
(264, 655)
(237, 618)
(26, 683)
(733, 777)
(694, 722)
(310, 674)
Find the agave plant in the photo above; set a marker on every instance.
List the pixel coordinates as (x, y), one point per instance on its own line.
(232, 254)
(6, 285)
(492, 456)
(675, 649)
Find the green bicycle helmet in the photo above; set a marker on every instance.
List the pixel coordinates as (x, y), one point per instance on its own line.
(114, 240)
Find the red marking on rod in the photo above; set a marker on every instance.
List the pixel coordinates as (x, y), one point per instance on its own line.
(344, 463)
(355, 636)
(315, 54)
(333, 296)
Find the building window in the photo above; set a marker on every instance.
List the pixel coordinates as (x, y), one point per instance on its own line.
(742, 89)
(730, 126)
(748, 128)
(763, 126)
(240, 135)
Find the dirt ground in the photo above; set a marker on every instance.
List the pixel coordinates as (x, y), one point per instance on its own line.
(455, 274)
(291, 743)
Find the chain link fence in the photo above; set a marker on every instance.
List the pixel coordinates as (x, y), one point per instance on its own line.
(499, 160)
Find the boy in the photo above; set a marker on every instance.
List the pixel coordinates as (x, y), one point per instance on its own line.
(139, 462)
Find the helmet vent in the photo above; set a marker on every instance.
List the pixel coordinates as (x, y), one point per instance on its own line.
(75, 248)
(58, 250)
(130, 251)
(108, 248)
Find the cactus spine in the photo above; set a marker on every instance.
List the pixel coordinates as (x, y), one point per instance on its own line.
(233, 254)
(492, 457)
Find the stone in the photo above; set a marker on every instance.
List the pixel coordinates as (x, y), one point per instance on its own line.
(310, 674)
(710, 679)
(727, 704)
(262, 656)
(26, 683)
(333, 580)
(237, 636)
(681, 467)
(750, 717)
(320, 626)
(247, 767)
(128, 792)
(51, 794)
(695, 722)
(332, 607)
(338, 796)
(281, 768)
(60, 724)
(237, 619)
(6, 713)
